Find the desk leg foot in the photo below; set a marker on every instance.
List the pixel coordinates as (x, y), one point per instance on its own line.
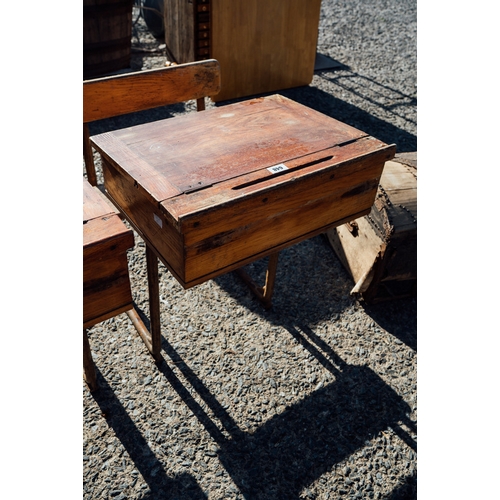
(89, 373)
(154, 303)
(265, 293)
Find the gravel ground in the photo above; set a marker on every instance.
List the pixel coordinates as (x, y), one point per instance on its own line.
(315, 398)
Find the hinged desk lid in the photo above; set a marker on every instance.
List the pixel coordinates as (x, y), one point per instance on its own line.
(197, 150)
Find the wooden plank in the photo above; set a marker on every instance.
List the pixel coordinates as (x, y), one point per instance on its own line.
(357, 252)
(144, 212)
(263, 45)
(268, 251)
(180, 30)
(122, 94)
(94, 203)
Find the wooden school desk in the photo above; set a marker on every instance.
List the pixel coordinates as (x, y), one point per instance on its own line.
(210, 192)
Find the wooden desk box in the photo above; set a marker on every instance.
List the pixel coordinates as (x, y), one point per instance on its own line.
(106, 239)
(212, 191)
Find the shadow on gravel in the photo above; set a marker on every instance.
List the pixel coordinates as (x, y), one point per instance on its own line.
(389, 101)
(311, 284)
(160, 485)
(398, 317)
(138, 118)
(313, 289)
(405, 491)
(290, 451)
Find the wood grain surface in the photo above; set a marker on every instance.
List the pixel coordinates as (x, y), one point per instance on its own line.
(203, 191)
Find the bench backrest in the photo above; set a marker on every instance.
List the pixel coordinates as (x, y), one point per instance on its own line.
(131, 92)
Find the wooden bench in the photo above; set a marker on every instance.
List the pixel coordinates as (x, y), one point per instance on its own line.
(143, 90)
(132, 92)
(106, 282)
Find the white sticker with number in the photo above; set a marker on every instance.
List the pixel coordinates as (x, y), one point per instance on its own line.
(277, 168)
(158, 220)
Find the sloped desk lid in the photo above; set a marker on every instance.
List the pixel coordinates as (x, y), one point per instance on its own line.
(197, 150)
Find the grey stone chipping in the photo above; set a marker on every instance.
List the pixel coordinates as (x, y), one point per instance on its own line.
(315, 398)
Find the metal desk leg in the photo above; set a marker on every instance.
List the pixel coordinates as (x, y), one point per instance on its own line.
(88, 364)
(265, 293)
(154, 303)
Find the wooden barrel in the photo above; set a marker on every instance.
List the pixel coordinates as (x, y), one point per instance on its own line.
(107, 36)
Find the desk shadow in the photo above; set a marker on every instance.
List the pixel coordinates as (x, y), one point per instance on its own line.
(313, 286)
(389, 102)
(331, 105)
(138, 118)
(293, 449)
(161, 486)
(398, 317)
(407, 490)
(290, 451)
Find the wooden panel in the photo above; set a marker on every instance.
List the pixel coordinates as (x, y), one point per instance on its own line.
(106, 239)
(107, 36)
(122, 94)
(380, 249)
(179, 29)
(103, 304)
(94, 203)
(144, 212)
(223, 143)
(263, 45)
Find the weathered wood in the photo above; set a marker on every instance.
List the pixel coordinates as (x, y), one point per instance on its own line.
(141, 328)
(89, 372)
(180, 37)
(131, 92)
(106, 239)
(88, 156)
(262, 45)
(154, 303)
(201, 189)
(263, 293)
(107, 36)
(381, 254)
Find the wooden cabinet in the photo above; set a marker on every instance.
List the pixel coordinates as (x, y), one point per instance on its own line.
(261, 45)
